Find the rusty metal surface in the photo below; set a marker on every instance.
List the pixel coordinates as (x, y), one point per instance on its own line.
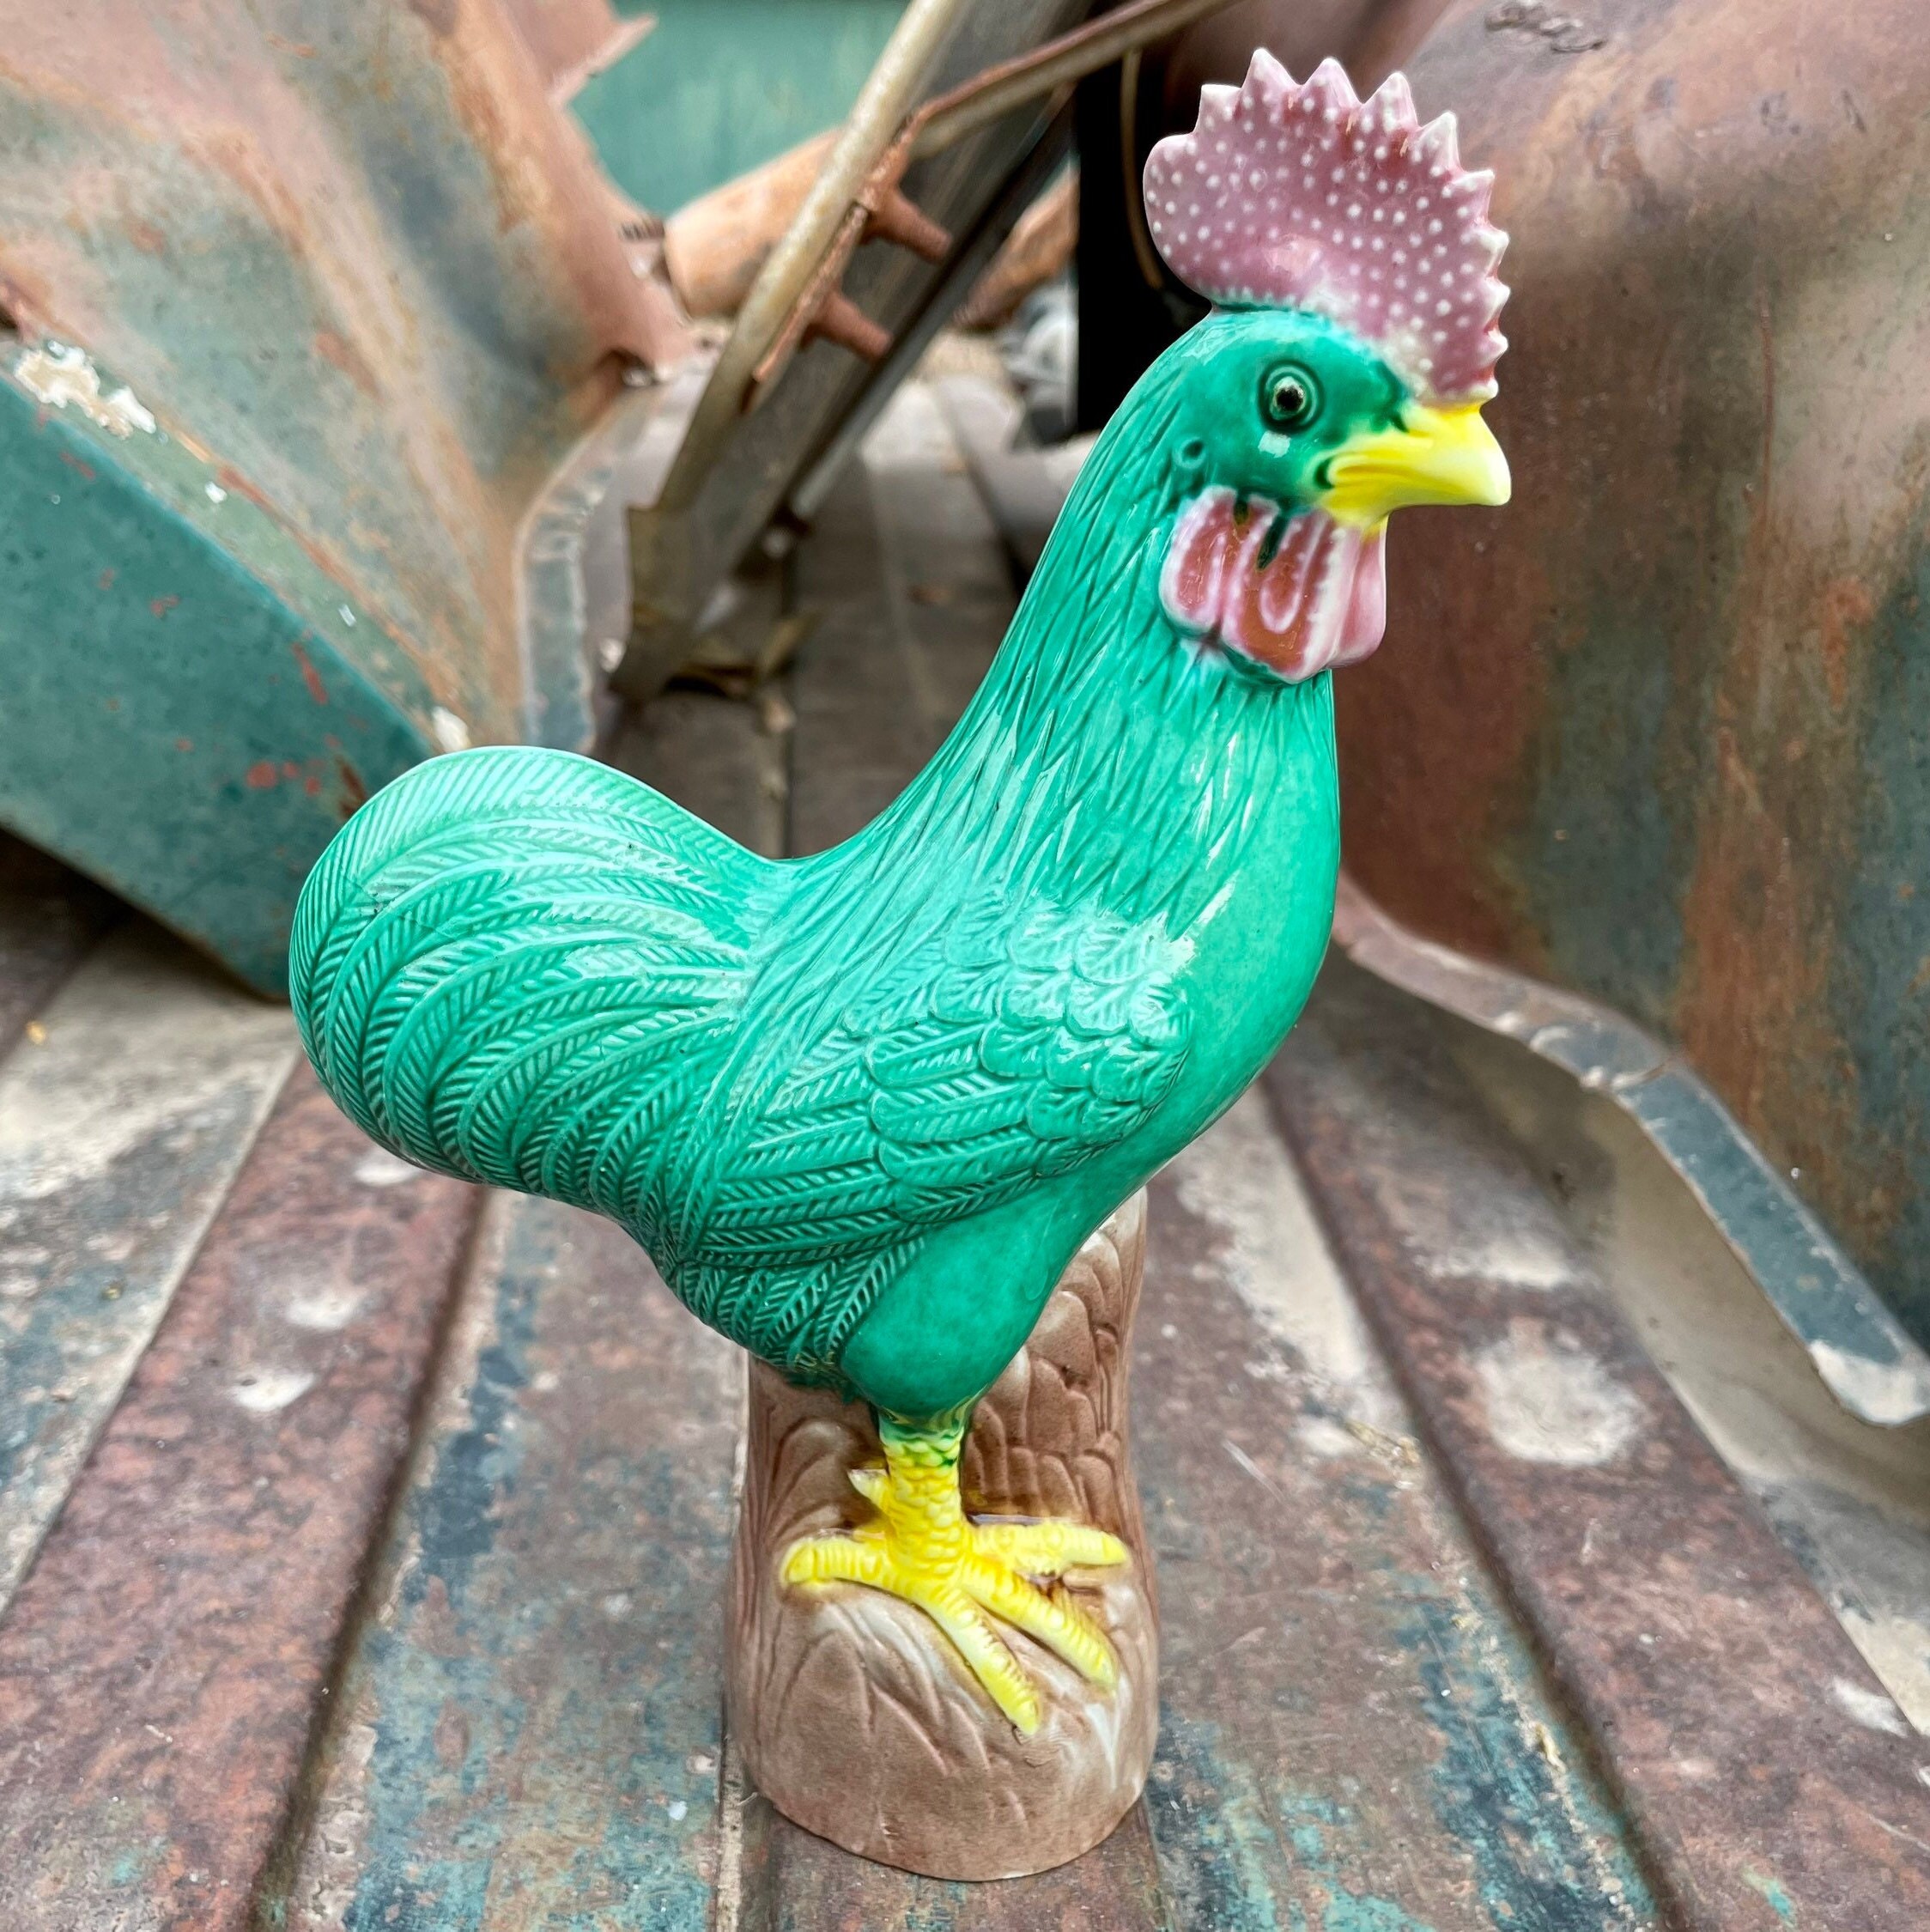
(1869, 1360)
(529, 1729)
(355, 288)
(1654, 732)
(162, 1667)
(677, 558)
(353, 251)
(1770, 1778)
(1354, 1734)
(125, 1116)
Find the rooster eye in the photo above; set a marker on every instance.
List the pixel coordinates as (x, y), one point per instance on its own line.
(1289, 397)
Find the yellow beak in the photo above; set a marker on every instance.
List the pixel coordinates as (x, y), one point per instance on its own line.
(1435, 456)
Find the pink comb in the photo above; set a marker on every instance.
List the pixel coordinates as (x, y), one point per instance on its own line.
(1286, 196)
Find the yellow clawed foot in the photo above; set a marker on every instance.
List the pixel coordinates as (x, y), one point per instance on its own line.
(923, 1548)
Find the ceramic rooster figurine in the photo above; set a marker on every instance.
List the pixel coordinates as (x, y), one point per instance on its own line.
(863, 1108)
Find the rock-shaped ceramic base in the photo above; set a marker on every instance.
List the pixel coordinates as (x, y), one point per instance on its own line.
(855, 1716)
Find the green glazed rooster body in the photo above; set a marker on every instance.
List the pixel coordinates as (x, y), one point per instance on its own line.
(863, 1108)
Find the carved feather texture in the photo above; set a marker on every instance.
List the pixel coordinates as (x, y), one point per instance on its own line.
(532, 970)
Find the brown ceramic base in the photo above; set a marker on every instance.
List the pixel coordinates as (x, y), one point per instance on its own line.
(855, 1717)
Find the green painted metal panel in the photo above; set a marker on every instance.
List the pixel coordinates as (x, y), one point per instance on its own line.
(168, 722)
(718, 86)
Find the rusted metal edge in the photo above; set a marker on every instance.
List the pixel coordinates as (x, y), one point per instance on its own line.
(1770, 1779)
(572, 569)
(1864, 1356)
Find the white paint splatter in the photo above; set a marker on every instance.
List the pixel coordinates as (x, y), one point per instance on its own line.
(1554, 1402)
(215, 493)
(450, 732)
(379, 1168)
(270, 1390)
(1518, 1258)
(1870, 1709)
(324, 1311)
(58, 374)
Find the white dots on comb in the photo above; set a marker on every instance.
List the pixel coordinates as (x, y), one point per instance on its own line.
(1256, 206)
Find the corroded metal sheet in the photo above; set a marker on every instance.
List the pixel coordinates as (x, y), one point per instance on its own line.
(301, 307)
(1654, 732)
(528, 1732)
(121, 1125)
(1771, 1779)
(163, 1667)
(355, 252)
(1870, 1362)
(1355, 1734)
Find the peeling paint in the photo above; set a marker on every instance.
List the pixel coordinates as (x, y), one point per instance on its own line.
(59, 375)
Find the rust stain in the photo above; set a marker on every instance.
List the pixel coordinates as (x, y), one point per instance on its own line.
(1845, 608)
(105, 579)
(352, 787)
(310, 676)
(261, 775)
(73, 462)
(341, 353)
(159, 606)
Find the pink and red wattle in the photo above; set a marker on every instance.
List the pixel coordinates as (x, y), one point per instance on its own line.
(1298, 597)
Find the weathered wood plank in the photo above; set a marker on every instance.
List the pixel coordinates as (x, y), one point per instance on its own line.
(162, 1666)
(121, 1128)
(1772, 1780)
(529, 1729)
(1355, 1736)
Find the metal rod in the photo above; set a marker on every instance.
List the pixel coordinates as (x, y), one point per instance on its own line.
(1013, 82)
(875, 117)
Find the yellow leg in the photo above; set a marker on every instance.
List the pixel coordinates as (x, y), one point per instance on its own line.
(923, 1548)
